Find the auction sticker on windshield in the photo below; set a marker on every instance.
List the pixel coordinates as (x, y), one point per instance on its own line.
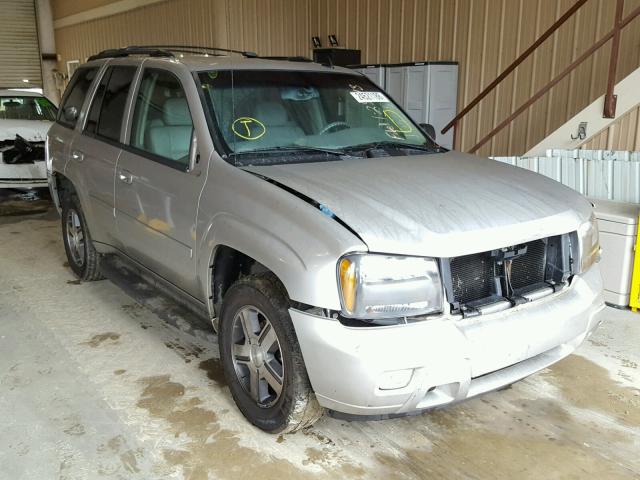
(369, 97)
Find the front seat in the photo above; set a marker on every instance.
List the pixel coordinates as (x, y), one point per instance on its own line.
(279, 129)
(173, 139)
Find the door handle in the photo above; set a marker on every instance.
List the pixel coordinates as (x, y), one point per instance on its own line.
(77, 155)
(125, 177)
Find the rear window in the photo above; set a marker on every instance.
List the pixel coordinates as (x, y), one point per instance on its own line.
(107, 110)
(27, 108)
(74, 96)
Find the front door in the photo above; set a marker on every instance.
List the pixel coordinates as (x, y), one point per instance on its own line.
(156, 193)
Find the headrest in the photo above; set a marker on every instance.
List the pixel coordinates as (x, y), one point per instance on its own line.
(176, 112)
(271, 113)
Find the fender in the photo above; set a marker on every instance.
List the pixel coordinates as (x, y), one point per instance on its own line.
(313, 283)
(286, 234)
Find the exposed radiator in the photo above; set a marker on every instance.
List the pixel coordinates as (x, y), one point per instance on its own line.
(481, 278)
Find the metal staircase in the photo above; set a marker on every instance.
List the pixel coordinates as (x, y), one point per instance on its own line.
(590, 121)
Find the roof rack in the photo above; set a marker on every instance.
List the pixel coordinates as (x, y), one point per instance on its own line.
(165, 51)
(133, 50)
(297, 58)
(201, 49)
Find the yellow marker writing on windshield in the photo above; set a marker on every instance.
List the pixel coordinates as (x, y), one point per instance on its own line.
(248, 128)
(395, 118)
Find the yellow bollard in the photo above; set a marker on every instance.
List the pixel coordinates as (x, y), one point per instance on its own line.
(634, 297)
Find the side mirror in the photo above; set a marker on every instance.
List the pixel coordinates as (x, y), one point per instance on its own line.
(429, 130)
(70, 114)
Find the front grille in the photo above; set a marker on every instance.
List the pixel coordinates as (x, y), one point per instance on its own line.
(480, 278)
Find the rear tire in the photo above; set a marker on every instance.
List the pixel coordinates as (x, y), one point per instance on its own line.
(83, 259)
(261, 357)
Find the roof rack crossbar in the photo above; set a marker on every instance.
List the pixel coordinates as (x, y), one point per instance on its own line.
(133, 50)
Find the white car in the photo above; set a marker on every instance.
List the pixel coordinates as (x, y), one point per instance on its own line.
(25, 118)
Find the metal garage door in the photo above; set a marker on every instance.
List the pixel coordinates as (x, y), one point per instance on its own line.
(19, 52)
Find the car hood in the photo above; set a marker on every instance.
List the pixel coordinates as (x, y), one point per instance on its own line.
(440, 205)
(30, 130)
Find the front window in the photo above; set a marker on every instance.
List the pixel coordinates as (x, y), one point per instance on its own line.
(162, 125)
(301, 114)
(27, 108)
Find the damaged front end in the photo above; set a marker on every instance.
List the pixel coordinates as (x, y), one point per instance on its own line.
(495, 280)
(19, 150)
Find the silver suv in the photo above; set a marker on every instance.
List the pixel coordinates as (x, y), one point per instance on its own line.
(346, 260)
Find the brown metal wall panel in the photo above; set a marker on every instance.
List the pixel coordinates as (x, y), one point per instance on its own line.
(507, 51)
(65, 8)
(270, 27)
(483, 35)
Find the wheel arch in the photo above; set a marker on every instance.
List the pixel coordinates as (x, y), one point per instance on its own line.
(60, 186)
(233, 247)
(228, 265)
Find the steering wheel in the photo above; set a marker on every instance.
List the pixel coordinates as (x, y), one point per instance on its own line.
(333, 125)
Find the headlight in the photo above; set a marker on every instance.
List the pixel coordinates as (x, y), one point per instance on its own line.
(588, 243)
(374, 286)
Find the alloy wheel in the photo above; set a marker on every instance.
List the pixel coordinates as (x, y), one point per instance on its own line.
(257, 356)
(75, 237)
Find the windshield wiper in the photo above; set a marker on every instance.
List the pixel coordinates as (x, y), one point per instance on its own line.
(388, 143)
(295, 148)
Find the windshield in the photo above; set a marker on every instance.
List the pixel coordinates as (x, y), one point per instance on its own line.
(261, 111)
(27, 108)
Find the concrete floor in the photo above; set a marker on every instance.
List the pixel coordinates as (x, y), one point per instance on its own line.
(111, 380)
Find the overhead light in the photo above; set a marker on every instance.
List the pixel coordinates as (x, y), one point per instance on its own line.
(25, 80)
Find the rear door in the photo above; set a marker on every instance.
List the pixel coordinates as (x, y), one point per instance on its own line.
(62, 132)
(97, 148)
(156, 191)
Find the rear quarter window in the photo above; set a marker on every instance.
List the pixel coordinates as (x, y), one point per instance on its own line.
(75, 95)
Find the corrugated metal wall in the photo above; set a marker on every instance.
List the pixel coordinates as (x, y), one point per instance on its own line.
(65, 8)
(19, 49)
(272, 27)
(485, 36)
(624, 134)
(595, 173)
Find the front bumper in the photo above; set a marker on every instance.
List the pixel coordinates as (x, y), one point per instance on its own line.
(448, 359)
(23, 175)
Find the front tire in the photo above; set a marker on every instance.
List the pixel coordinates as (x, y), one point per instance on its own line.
(83, 259)
(261, 357)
